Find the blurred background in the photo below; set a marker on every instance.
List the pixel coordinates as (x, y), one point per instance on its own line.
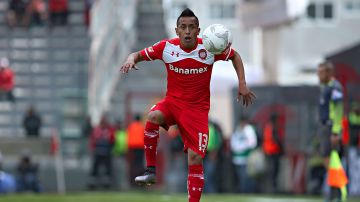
(63, 84)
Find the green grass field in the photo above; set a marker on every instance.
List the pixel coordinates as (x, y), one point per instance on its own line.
(151, 197)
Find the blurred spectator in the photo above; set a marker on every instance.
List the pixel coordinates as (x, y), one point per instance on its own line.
(32, 122)
(256, 168)
(7, 181)
(120, 147)
(7, 78)
(27, 178)
(58, 10)
(1, 161)
(16, 14)
(176, 171)
(120, 150)
(273, 148)
(101, 144)
(215, 140)
(354, 122)
(87, 15)
(36, 11)
(176, 143)
(243, 141)
(86, 129)
(135, 132)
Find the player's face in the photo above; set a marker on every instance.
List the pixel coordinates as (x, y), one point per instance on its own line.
(324, 74)
(187, 30)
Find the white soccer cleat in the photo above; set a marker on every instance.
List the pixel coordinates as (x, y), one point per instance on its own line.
(147, 179)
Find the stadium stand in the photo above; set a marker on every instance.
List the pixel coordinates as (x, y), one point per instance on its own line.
(55, 68)
(139, 87)
(51, 68)
(47, 65)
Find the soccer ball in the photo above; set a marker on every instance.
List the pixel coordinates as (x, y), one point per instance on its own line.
(216, 38)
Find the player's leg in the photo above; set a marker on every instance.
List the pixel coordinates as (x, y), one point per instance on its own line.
(195, 182)
(194, 130)
(151, 137)
(156, 118)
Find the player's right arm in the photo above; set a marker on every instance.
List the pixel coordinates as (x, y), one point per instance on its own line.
(132, 59)
(153, 52)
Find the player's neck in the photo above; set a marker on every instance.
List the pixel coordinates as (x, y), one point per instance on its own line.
(189, 49)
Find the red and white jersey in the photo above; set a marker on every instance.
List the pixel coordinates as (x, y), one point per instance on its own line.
(189, 71)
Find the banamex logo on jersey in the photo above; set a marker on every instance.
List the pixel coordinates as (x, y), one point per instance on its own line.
(188, 70)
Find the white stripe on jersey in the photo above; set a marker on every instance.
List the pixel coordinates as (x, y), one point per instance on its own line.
(227, 57)
(173, 53)
(147, 54)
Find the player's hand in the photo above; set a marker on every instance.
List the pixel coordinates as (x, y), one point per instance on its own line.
(247, 96)
(128, 65)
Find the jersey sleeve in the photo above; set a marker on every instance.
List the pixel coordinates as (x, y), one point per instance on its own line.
(154, 52)
(336, 108)
(226, 55)
(336, 95)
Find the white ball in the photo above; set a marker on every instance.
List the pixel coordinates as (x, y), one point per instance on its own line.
(216, 38)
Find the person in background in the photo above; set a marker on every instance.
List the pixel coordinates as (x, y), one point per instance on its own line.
(87, 15)
(135, 134)
(27, 178)
(331, 112)
(58, 11)
(273, 149)
(101, 144)
(120, 150)
(316, 168)
(210, 161)
(16, 13)
(36, 12)
(7, 181)
(86, 128)
(176, 170)
(120, 147)
(354, 123)
(32, 122)
(242, 142)
(7, 80)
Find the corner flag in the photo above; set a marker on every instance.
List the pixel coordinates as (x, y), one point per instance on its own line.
(336, 174)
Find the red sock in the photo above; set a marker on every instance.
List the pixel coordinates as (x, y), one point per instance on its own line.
(151, 137)
(195, 182)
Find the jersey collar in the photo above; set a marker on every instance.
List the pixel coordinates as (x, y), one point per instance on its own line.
(189, 50)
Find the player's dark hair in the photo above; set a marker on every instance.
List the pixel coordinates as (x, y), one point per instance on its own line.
(327, 65)
(187, 13)
(137, 117)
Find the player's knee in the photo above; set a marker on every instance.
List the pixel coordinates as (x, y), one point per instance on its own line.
(194, 158)
(154, 117)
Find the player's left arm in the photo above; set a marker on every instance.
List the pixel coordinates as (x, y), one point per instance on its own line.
(243, 90)
(336, 110)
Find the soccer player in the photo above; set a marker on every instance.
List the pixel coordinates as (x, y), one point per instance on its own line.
(187, 100)
(330, 114)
